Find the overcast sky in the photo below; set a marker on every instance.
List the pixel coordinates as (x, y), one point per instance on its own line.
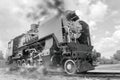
(103, 17)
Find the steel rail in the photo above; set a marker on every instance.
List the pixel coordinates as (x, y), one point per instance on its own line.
(88, 74)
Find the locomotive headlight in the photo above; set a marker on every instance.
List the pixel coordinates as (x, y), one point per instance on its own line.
(78, 13)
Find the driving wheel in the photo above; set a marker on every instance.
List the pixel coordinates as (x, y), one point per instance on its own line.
(70, 67)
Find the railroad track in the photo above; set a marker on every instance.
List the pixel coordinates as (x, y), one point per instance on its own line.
(88, 74)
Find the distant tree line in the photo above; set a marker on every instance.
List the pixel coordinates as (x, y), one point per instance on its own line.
(111, 60)
(115, 59)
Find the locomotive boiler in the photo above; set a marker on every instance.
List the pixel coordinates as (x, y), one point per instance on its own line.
(59, 42)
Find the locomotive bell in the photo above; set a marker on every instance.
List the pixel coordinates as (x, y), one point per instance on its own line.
(77, 12)
(34, 27)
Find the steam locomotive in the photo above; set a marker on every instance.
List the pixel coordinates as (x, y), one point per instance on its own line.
(59, 42)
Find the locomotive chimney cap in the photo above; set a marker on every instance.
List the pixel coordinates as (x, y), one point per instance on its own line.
(71, 15)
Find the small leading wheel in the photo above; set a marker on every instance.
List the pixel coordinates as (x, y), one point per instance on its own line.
(70, 67)
(24, 63)
(19, 63)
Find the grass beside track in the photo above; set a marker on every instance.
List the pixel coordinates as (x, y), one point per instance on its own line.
(37, 75)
